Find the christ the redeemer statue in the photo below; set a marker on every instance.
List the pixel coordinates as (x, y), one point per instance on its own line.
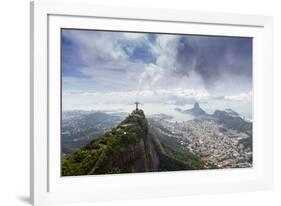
(137, 104)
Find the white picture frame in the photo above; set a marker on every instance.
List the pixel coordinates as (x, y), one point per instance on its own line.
(47, 18)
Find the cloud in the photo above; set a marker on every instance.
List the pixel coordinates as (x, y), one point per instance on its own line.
(122, 61)
(214, 57)
(247, 97)
(92, 47)
(171, 96)
(164, 73)
(151, 77)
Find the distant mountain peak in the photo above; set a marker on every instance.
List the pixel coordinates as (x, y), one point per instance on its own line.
(227, 112)
(231, 119)
(196, 105)
(196, 111)
(232, 112)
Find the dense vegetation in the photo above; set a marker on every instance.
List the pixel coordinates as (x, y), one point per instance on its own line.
(132, 146)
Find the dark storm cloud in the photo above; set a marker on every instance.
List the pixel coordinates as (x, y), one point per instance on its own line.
(214, 57)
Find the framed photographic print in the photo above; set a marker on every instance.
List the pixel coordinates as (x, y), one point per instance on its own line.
(126, 105)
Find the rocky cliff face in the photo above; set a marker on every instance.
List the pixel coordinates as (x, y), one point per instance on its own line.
(133, 146)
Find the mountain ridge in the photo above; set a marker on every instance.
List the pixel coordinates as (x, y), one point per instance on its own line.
(132, 146)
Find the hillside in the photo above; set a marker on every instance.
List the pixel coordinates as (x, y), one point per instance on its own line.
(234, 122)
(79, 128)
(132, 146)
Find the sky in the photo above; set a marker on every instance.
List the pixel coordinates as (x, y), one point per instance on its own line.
(114, 68)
